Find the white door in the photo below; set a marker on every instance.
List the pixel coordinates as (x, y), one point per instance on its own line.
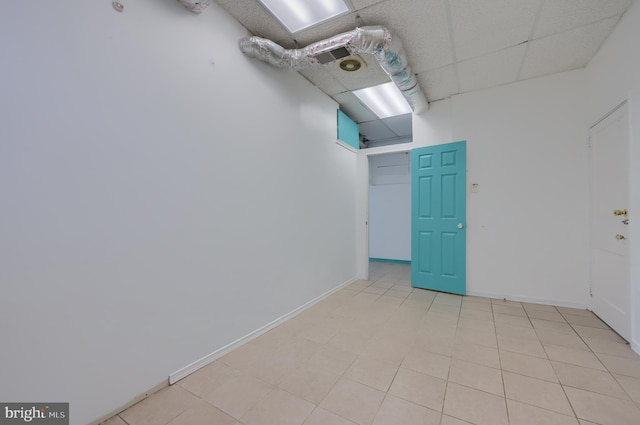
(610, 288)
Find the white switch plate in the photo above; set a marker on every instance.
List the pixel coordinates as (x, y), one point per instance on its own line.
(475, 187)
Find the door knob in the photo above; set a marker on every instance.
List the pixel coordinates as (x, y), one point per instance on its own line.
(460, 225)
(620, 212)
(620, 237)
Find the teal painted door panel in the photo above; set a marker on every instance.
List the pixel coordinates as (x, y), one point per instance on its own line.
(438, 217)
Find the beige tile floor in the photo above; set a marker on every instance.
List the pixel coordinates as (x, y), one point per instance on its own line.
(379, 352)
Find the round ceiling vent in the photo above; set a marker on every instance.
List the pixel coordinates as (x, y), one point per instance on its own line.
(350, 65)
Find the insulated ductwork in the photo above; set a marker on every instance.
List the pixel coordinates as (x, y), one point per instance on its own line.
(196, 6)
(375, 40)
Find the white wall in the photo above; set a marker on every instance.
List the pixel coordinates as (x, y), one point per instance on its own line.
(612, 77)
(527, 231)
(162, 196)
(527, 226)
(390, 206)
(390, 221)
(434, 126)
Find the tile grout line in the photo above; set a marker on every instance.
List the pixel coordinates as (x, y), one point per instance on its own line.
(504, 387)
(575, 414)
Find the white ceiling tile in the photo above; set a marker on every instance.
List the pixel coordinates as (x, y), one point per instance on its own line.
(565, 51)
(360, 4)
(558, 16)
(352, 106)
(484, 26)
(323, 80)
(371, 75)
(325, 30)
(376, 130)
(439, 83)
(400, 125)
(255, 18)
(497, 68)
(437, 32)
(422, 27)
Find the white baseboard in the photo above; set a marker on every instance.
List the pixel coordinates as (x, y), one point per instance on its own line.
(198, 364)
(136, 400)
(531, 300)
(187, 370)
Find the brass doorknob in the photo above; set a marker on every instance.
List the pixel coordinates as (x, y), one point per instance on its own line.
(620, 212)
(620, 237)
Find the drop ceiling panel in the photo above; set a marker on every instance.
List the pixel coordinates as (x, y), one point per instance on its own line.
(439, 83)
(558, 16)
(320, 32)
(422, 27)
(350, 105)
(453, 45)
(323, 80)
(485, 26)
(255, 18)
(376, 130)
(400, 125)
(371, 75)
(491, 70)
(361, 4)
(565, 51)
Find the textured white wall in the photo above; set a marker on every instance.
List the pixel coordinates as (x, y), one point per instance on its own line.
(162, 196)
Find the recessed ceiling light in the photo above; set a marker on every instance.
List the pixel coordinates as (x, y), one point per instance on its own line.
(384, 100)
(297, 15)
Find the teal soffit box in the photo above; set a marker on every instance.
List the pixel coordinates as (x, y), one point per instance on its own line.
(348, 132)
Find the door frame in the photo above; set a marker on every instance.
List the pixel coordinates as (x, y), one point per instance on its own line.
(591, 176)
(633, 101)
(362, 202)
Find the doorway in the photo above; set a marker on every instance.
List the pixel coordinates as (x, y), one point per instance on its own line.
(390, 207)
(609, 163)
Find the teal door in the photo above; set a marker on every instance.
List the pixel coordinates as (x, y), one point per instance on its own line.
(438, 222)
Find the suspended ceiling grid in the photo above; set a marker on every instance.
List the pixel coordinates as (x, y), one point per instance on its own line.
(454, 46)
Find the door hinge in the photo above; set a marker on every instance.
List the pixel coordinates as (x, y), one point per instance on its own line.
(591, 290)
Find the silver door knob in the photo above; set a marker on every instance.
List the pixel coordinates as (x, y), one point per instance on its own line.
(460, 225)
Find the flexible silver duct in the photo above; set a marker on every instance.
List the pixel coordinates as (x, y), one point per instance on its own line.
(374, 40)
(196, 6)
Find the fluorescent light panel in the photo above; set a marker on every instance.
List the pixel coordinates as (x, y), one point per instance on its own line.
(384, 100)
(297, 15)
